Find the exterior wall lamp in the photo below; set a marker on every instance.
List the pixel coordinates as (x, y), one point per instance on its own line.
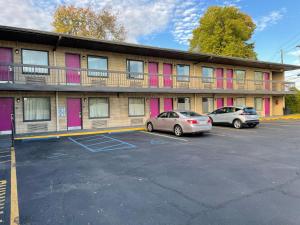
(17, 51)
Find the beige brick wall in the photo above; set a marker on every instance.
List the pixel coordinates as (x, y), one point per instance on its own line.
(118, 108)
(117, 62)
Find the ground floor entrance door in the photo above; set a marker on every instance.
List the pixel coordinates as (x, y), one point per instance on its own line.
(168, 104)
(74, 121)
(267, 106)
(6, 111)
(154, 107)
(220, 102)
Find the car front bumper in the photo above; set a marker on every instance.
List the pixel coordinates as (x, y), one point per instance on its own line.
(251, 122)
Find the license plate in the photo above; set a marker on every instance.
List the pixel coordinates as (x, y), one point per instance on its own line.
(202, 122)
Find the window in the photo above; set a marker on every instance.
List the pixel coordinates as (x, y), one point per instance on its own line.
(173, 115)
(258, 76)
(97, 66)
(230, 110)
(36, 109)
(136, 106)
(163, 115)
(240, 102)
(98, 108)
(190, 114)
(183, 104)
(135, 69)
(221, 111)
(258, 104)
(207, 105)
(183, 72)
(207, 75)
(36, 59)
(240, 76)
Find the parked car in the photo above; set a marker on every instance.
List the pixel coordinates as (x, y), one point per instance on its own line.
(180, 122)
(236, 116)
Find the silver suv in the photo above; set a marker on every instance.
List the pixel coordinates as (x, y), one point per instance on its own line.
(236, 116)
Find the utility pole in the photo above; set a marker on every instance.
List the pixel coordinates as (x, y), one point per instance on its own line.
(281, 56)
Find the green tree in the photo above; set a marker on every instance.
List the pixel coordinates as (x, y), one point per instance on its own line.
(85, 22)
(224, 31)
(292, 102)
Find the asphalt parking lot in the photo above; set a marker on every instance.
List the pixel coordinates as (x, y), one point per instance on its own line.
(248, 176)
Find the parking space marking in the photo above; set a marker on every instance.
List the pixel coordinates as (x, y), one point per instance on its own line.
(100, 143)
(2, 198)
(166, 136)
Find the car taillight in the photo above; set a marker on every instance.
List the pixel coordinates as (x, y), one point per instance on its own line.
(192, 121)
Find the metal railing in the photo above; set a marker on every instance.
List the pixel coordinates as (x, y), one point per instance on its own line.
(62, 76)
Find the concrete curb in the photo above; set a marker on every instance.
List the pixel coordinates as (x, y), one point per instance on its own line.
(53, 136)
(288, 117)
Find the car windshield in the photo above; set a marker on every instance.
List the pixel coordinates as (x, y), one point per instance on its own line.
(189, 114)
(250, 110)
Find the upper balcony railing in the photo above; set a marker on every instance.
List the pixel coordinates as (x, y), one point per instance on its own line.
(61, 76)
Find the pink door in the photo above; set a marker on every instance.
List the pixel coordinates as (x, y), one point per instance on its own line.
(154, 107)
(229, 101)
(229, 78)
(6, 58)
(220, 102)
(267, 81)
(74, 113)
(167, 73)
(267, 106)
(6, 110)
(168, 104)
(220, 77)
(153, 74)
(73, 65)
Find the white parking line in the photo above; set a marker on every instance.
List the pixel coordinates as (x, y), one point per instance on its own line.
(166, 136)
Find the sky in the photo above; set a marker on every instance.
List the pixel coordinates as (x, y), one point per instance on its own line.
(169, 23)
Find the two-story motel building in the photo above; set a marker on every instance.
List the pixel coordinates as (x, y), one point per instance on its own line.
(56, 82)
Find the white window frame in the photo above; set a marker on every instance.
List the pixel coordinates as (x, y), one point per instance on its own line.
(210, 78)
(183, 77)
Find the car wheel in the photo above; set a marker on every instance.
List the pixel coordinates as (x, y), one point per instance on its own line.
(178, 130)
(237, 124)
(150, 127)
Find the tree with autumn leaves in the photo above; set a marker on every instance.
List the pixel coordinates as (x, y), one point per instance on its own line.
(85, 22)
(224, 31)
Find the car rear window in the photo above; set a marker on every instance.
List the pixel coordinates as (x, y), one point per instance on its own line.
(250, 110)
(190, 114)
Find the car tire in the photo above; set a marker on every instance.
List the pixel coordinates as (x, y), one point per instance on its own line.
(237, 124)
(150, 127)
(178, 130)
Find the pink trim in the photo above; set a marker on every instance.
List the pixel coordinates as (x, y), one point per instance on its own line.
(220, 102)
(267, 106)
(73, 112)
(6, 57)
(153, 74)
(229, 101)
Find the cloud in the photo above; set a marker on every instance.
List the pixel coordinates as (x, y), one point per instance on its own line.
(141, 18)
(271, 19)
(185, 20)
